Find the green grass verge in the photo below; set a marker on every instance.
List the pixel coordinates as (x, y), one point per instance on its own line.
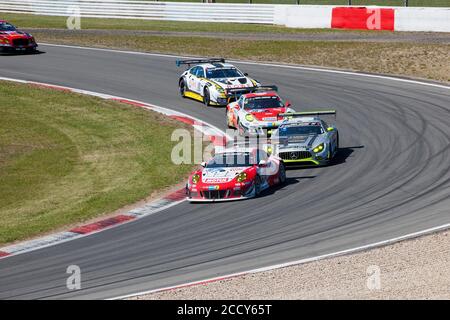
(66, 158)
(420, 60)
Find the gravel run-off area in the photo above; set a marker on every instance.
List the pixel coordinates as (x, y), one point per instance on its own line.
(412, 269)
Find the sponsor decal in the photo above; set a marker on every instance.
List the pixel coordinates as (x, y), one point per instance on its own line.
(363, 18)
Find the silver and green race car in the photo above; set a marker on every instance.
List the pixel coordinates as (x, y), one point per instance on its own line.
(303, 138)
(209, 80)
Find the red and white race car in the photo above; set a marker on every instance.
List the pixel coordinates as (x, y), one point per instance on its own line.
(14, 40)
(235, 173)
(257, 112)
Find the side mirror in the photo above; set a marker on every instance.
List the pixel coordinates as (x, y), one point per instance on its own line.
(246, 74)
(329, 129)
(203, 164)
(288, 104)
(262, 163)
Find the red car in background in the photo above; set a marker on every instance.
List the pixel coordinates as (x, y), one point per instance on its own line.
(14, 40)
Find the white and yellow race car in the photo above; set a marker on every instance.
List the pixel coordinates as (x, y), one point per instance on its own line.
(209, 80)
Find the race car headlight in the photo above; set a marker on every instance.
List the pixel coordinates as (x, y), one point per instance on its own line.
(318, 148)
(220, 89)
(195, 178)
(249, 117)
(269, 150)
(241, 177)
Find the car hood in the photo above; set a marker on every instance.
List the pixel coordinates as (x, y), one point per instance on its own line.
(228, 83)
(298, 140)
(267, 114)
(14, 34)
(220, 175)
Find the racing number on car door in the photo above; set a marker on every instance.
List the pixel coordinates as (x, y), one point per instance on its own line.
(200, 74)
(194, 81)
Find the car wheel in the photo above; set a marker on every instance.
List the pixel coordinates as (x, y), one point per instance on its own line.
(337, 143)
(257, 186)
(282, 173)
(206, 97)
(182, 88)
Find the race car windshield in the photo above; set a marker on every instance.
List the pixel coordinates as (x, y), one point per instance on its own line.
(300, 131)
(228, 160)
(223, 73)
(263, 103)
(7, 27)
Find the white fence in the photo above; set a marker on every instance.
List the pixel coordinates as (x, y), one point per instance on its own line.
(423, 19)
(148, 10)
(294, 16)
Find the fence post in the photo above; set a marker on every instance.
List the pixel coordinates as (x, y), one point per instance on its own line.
(349, 2)
(406, 3)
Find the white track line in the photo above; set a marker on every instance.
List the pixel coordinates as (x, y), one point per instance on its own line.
(292, 263)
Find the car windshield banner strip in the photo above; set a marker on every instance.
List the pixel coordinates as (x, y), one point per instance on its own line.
(199, 61)
(308, 113)
(241, 91)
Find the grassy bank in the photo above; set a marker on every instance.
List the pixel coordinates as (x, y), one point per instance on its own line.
(420, 60)
(66, 158)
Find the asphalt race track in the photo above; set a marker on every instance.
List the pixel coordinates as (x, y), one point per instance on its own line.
(392, 177)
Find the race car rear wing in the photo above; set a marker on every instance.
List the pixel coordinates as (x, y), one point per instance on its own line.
(308, 113)
(199, 61)
(237, 92)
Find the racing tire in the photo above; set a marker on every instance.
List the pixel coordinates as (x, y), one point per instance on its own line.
(182, 87)
(206, 98)
(337, 143)
(335, 151)
(330, 153)
(257, 186)
(282, 173)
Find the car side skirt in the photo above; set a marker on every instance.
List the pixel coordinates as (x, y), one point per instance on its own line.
(198, 97)
(193, 95)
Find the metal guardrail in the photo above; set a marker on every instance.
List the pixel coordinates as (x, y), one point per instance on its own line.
(148, 10)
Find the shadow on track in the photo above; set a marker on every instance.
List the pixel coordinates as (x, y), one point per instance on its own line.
(343, 154)
(289, 181)
(20, 54)
(340, 158)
